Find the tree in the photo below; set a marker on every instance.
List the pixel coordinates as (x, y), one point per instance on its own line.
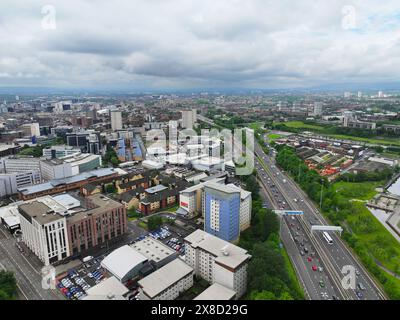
(154, 223)
(8, 286)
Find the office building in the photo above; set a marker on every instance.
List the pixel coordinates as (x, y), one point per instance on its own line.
(116, 120)
(101, 220)
(217, 261)
(44, 231)
(10, 182)
(168, 282)
(55, 169)
(16, 164)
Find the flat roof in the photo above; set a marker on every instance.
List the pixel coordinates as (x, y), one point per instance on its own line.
(152, 249)
(109, 288)
(226, 253)
(40, 212)
(216, 292)
(122, 260)
(102, 204)
(56, 182)
(164, 277)
(156, 188)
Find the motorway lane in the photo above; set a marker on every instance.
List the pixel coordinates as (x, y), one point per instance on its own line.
(310, 279)
(338, 254)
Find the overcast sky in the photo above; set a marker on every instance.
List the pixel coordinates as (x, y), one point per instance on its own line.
(174, 44)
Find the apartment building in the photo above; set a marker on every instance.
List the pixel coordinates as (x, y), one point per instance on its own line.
(217, 261)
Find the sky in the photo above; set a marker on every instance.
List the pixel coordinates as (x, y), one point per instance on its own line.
(184, 44)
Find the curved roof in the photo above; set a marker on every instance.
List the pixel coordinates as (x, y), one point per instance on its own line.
(122, 260)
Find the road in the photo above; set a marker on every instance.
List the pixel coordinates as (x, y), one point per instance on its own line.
(291, 229)
(28, 276)
(334, 256)
(283, 193)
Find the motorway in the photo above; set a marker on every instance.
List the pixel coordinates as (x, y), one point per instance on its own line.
(333, 256)
(283, 194)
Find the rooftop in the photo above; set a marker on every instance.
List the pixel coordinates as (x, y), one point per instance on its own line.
(107, 290)
(57, 182)
(216, 292)
(101, 203)
(39, 211)
(152, 249)
(122, 260)
(164, 277)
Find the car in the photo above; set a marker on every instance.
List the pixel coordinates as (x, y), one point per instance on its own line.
(309, 259)
(314, 268)
(90, 275)
(357, 272)
(305, 250)
(360, 286)
(322, 284)
(320, 269)
(359, 294)
(302, 253)
(335, 297)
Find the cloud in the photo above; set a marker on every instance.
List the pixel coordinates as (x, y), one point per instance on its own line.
(181, 44)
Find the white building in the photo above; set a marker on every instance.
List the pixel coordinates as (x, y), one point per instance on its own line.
(189, 118)
(116, 120)
(217, 261)
(318, 108)
(10, 182)
(31, 129)
(168, 282)
(55, 169)
(44, 231)
(19, 164)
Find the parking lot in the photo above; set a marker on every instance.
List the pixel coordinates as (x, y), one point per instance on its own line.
(77, 281)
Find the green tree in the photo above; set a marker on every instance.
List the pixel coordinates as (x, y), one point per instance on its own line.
(154, 223)
(8, 286)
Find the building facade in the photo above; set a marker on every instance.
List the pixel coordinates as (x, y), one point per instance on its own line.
(222, 211)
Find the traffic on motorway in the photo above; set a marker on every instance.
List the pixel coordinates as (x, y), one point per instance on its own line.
(287, 195)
